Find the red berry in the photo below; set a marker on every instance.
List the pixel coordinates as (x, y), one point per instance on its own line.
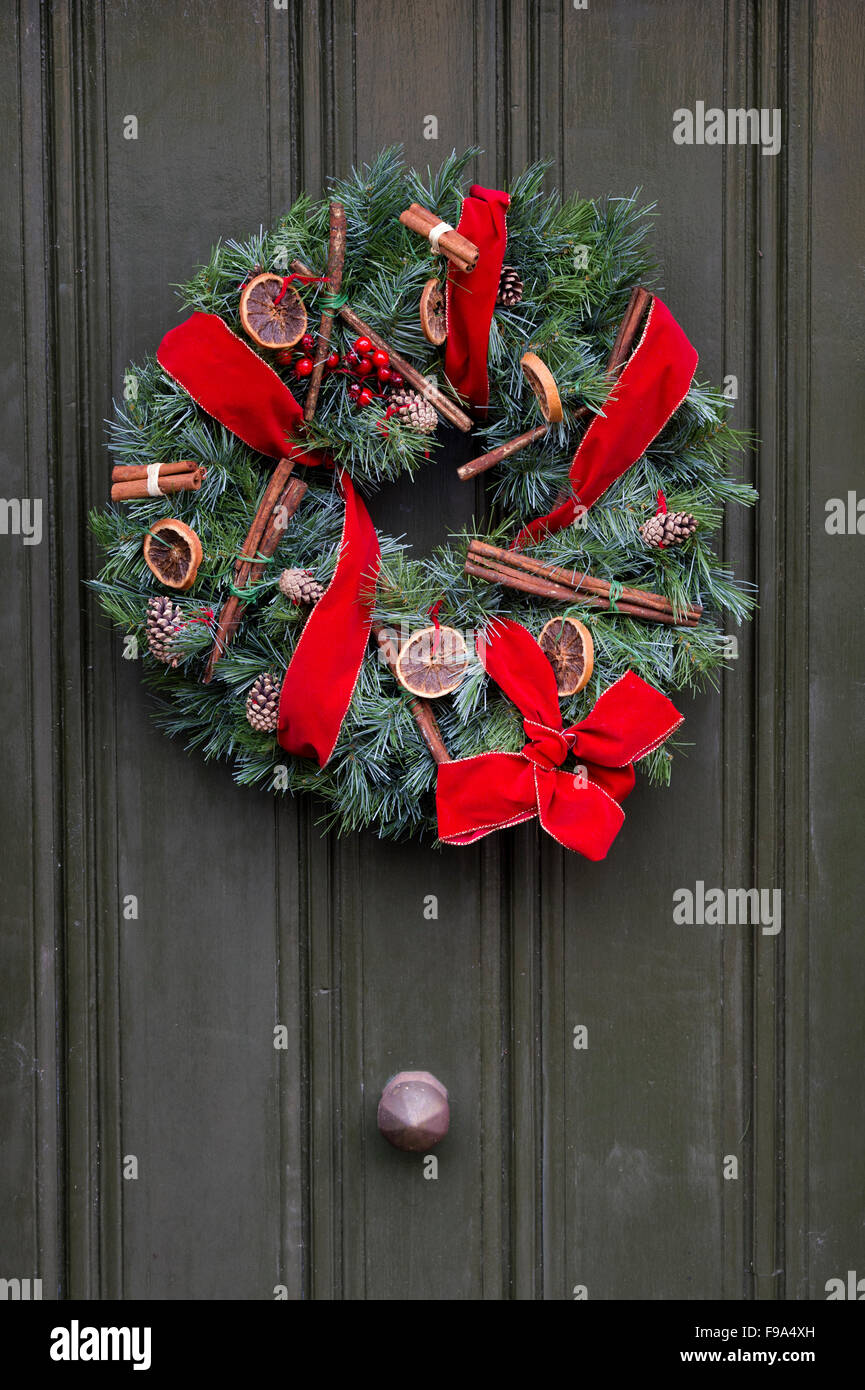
(354, 390)
(307, 342)
(395, 380)
(362, 346)
(351, 359)
(365, 396)
(381, 358)
(364, 367)
(384, 373)
(303, 366)
(285, 358)
(333, 362)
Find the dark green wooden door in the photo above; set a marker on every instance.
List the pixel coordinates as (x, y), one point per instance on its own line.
(152, 1038)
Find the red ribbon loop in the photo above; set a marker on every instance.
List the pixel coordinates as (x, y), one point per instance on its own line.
(235, 386)
(323, 672)
(471, 295)
(475, 796)
(652, 385)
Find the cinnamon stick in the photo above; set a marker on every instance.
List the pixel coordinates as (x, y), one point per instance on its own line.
(513, 446)
(427, 389)
(137, 491)
(494, 573)
(261, 538)
(130, 482)
(621, 350)
(573, 579)
(526, 583)
(420, 709)
(131, 472)
(335, 266)
(232, 611)
(286, 505)
(624, 344)
(278, 480)
(461, 252)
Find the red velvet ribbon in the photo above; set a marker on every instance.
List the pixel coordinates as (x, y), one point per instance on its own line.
(323, 672)
(654, 382)
(471, 295)
(234, 385)
(242, 392)
(476, 796)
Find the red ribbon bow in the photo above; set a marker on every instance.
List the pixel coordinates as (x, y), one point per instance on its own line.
(580, 808)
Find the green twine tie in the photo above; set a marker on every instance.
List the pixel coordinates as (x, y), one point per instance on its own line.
(257, 558)
(615, 594)
(332, 303)
(252, 592)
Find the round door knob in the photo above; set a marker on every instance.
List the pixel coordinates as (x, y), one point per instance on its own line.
(413, 1112)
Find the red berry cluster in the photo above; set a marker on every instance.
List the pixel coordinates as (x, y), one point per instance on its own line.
(368, 366)
(300, 356)
(371, 366)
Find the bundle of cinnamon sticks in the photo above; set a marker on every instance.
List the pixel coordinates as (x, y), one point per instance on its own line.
(517, 571)
(462, 253)
(131, 482)
(282, 497)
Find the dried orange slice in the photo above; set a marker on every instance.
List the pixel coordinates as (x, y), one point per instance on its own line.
(173, 552)
(543, 383)
(433, 315)
(569, 648)
(432, 662)
(269, 324)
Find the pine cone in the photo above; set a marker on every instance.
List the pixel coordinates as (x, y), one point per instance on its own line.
(262, 703)
(669, 528)
(421, 415)
(510, 287)
(301, 586)
(163, 622)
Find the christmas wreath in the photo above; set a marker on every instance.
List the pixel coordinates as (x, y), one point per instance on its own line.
(522, 668)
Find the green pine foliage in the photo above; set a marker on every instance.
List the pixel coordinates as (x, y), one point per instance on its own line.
(578, 261)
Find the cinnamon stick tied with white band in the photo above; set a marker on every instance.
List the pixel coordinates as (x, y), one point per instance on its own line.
(442, 237)
(137, 481)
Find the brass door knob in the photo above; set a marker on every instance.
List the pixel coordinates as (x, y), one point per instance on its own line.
(413, 1112)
